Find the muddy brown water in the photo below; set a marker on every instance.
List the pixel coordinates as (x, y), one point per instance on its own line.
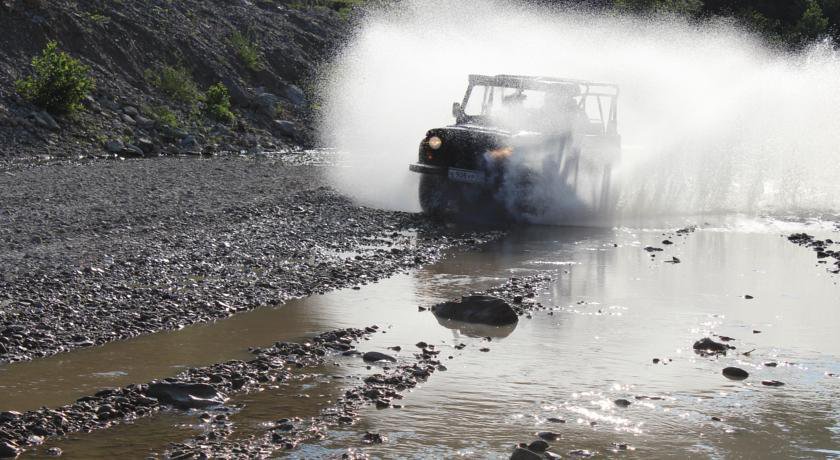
(614, 309)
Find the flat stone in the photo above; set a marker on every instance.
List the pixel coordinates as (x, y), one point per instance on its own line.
(374, 356)
(186, 395)
(735, 373)
(481, 309)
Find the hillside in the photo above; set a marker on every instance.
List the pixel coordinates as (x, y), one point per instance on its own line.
(152, 60)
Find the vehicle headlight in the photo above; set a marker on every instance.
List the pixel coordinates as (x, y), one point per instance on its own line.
(434, 142)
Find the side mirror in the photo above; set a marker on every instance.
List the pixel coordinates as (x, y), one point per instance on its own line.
(456, 110)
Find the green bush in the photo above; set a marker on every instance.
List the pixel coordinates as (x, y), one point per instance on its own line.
(175, 82)
(163, 116)
(247, 51)
(59, 83)
(217, 103)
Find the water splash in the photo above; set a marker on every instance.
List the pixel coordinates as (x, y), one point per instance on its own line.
(712, 121)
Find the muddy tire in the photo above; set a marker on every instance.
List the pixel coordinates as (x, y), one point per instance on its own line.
(436, 195)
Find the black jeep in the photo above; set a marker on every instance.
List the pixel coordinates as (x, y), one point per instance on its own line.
(514, 134)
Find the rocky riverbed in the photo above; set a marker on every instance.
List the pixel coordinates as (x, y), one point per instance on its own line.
(99, 251)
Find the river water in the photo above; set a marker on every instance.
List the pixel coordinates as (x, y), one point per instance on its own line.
(613, 309)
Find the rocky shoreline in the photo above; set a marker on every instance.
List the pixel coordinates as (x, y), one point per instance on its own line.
(103, 251)
(193, 389)
(212, 386)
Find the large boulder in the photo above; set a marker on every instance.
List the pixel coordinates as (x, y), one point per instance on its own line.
(186, 395)
(481, 309)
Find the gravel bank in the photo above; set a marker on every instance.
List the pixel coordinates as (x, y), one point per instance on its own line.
(101, 251)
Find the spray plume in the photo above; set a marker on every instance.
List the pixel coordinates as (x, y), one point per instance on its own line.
(712, 121)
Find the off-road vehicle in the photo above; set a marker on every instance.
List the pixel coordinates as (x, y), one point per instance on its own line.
(517, 143)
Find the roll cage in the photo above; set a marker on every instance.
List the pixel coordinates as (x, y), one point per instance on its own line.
(598, 100)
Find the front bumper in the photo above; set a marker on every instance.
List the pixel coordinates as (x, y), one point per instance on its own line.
(428, 169)
(461, 176)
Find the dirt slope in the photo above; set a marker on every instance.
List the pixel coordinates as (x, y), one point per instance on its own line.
(126, 42)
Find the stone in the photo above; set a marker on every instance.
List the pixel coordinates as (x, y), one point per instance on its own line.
(8, 416)
(132, 150)
(127, 119)
(709, 346)
(186, 395)
(521, 453)
(190, 144)
(622, 403)
(296, 96)
(144, 122)
(538, 446)
(9, 449)
(548, 436)
(481, 309)
(114, 146)
(772, 383)
(146, 145)
(285, 128)
(373, 356)
(131, 111)
(238, 95)
(373, 438)
(47, 120)
(266, 104)
(735, 373)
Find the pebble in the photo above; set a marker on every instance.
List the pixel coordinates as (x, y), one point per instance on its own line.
(735, 373)
(622, 403)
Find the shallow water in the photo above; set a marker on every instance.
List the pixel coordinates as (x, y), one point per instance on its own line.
(614, 309)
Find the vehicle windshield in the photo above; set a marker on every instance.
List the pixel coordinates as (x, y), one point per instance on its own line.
(523, 109)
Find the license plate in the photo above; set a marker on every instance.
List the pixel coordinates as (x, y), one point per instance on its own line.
(467, 176)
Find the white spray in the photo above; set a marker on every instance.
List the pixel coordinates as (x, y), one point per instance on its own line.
(711, 120)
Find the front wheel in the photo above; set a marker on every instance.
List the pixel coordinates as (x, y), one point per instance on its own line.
(436, 195)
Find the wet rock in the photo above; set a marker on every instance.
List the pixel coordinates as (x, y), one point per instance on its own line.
(735, 373)
(9, 449)
(771, 364)
(373, 438)
(548, 436)
(556, 420)
(772, 383)
(8, 416)
(374, 356)
(582, 453)
(521, 453)
(748, 297)
(653, 249)
(622, 403)
(538, 446)
(709, 346)
(481, 309)
(186, 395)
(54, 452)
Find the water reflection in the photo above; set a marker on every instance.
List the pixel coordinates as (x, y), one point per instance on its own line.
(460, 328)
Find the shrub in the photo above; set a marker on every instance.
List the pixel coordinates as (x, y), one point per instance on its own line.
(59, 83)
(217, 103)
(247, 51)
(163, 116)
(175, 82)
